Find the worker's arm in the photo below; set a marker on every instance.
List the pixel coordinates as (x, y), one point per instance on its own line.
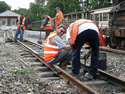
(42, 27)
(25, 22)
(58, 41)
(66, 47)
(17, 22)
(60, 18)
(47, 19)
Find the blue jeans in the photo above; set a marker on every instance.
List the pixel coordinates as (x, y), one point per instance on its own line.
(21, 35)
(90, 36)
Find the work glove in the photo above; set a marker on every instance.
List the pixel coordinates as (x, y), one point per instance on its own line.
(42, 27)
(21, 25)
(18, 23)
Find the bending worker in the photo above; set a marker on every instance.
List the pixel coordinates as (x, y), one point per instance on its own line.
(21, 25)
(58, 17)
(78, 33)
(47, 25)
(55, 50)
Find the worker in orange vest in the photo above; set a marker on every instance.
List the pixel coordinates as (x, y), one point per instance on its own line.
(47, 25)
(55, 50)
(78, 33)
(58, 17)
(21, 25)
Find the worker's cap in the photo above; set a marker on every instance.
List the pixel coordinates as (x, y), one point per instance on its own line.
(57, 8)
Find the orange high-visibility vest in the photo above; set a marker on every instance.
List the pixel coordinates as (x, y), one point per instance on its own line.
(50, 50)
(74, 30)
(23, 20)
(49, 24)
(57, 18)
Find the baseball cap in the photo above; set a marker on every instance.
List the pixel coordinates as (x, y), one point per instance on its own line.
(57, 8)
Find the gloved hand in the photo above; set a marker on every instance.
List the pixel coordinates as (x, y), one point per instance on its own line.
(21, 25)
(18, 23)
(42, 27)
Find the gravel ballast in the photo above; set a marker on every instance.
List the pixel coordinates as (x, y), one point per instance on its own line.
(17, 78)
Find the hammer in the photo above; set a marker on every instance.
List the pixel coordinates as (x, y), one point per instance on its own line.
(86, 56)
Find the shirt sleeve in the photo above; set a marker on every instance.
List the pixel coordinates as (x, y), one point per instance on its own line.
(25, 22)
(16, 20)
(60, 17)
(67, 34)
(58, 41)
(47, 19)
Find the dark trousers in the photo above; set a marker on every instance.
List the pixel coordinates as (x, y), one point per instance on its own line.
(63, 56)
(90, 36)
(47, 33)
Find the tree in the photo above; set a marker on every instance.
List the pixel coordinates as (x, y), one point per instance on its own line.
(96, 4)
(34, 13)
(20, 10)
(66, 6)
(37, 9)
(4, 6)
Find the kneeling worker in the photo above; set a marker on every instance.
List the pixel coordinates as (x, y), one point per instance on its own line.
(47, 25)
(55, 50)
(78, 33)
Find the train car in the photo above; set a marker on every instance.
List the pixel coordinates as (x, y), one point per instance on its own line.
(101, 17)
(115, 35)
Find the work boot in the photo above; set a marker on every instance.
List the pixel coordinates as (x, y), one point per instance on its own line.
(74, 75)
(89, 76)
(63, 65)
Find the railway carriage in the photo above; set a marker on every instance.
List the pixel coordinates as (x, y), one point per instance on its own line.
(116, 32)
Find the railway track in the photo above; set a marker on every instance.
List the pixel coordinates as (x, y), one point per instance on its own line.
(53, 72)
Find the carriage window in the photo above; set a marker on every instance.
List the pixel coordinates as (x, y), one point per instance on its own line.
(92, 17)
(85, 16)
(96, 17)
(3, 22)
(13, 22)
(105, 16)
(100, 16)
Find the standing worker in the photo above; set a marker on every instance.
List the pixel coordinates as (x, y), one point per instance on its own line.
(21, 25)
(78, 33)
(58, 17)
(55, 50)
(47, 25)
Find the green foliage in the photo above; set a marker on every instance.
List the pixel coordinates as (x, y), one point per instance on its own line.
(66, 6)
(19, 72)
(37, 9)
(4, 6)
(96, 4)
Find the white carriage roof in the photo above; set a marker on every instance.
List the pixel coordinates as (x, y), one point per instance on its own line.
(102, 10)
(8, 14)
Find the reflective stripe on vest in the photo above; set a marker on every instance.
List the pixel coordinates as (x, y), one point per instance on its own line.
(23, 20)
(50, 50)
(49, 24)
(74, 31)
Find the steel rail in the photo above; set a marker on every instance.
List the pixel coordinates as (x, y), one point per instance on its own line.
(112, 50)
(100, 48)
(63, 74)
(111, 78)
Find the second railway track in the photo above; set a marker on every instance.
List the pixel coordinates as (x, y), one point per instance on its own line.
(86, 87)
